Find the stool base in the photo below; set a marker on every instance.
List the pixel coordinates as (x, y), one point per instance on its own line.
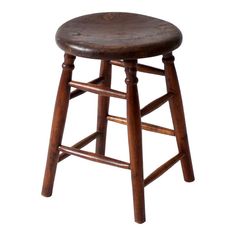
(102, 86)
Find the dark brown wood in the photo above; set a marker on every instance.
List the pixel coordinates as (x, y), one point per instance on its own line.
(145, 126)
(135, 140)
(78, 92)
(177, 113)
(162, 169)
(141, 68)
(94, 157)
(103, 106)
(119, 35)
(79, 145)
(155, 104)
(119, 39)
(94, 88)
(59, 118)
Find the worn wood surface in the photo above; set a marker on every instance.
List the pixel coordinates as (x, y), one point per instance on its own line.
(116, 35)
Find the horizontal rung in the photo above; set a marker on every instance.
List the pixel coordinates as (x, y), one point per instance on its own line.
(145, 126)
(94, 88)
(94, 157)
(162, 169)
(78, 92)
(79, 145)
(155, 104)
(142, 68)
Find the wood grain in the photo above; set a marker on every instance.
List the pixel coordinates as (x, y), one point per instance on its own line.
(116, 35)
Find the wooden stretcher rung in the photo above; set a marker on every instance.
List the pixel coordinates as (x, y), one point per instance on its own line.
(155, 104)
(141, 68)
(79, 145)
(78, 92)
(162, 169)
(94, 157)
(94, 88)
(145, 126)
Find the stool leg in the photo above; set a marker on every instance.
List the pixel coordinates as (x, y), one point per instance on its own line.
(58, 123)
(135, 140)
(103, 106)
(177, 113)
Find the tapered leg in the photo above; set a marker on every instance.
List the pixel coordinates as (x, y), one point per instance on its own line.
(177, 113)
(135, 140)
(103, 106)
(58, 123)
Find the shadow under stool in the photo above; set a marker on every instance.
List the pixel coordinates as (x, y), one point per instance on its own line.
(119, 39)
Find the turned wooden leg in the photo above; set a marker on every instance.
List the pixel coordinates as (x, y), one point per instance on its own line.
(135, 140)
(103, 106)
(177, 113)
(58, 123)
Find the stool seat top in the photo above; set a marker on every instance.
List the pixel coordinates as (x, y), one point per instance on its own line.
(116, 35)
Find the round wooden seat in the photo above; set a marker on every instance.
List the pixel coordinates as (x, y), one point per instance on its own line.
(118, 36)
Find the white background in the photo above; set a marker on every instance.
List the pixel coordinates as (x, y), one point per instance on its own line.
(93, 199)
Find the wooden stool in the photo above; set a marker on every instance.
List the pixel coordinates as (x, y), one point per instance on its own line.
(119, 39)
